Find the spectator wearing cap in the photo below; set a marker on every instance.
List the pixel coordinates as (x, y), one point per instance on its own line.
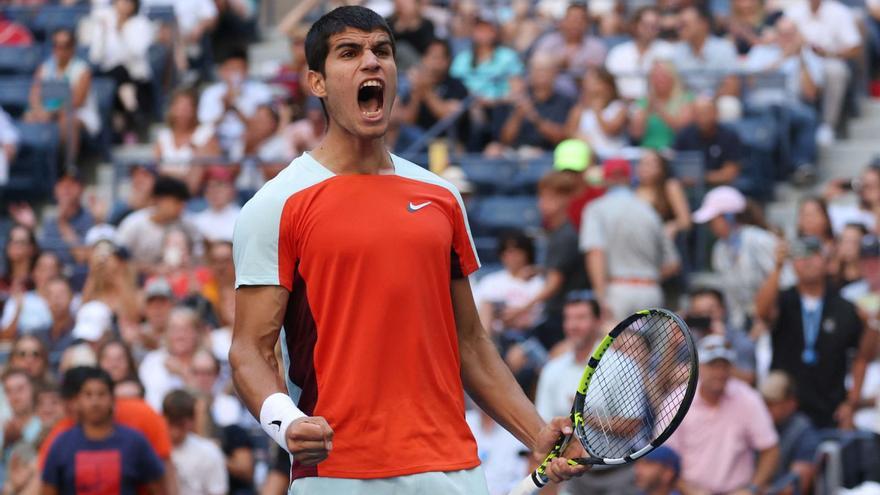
(217, 221)
(229, 103)
(599, 117)
(582, 326)
(720, 145)
(814, 331)
(159, 301)
(64, 232)
(666, 109)
(142, 179)
(830, 28)
(658, 187)
(743, 255)
(798, 438)
(573, 157)
(164, 369)
(184, 145)
(572, 43)
(434, 94)
(631, 60)
(93, 321)
(143, 232)
(535, 120)
(657, 473)
(704, 60)
(627, 251)
(564, 263)
(200, 464)
(707, 315)
(727, 441)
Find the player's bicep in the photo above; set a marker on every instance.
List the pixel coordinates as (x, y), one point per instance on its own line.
(259, 315)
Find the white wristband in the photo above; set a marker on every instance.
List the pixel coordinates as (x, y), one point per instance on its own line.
(276, 414)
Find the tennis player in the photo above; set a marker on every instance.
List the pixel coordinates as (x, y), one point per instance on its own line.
(359, 260)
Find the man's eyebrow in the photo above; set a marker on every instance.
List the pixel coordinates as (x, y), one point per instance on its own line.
(348, 45)
(383, 43)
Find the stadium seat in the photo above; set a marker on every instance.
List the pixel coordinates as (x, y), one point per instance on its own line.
(760, 137)
(14, 93)
(487, 247)
(489, 175)
(526, 177)
(163, 14)
(32, 174)
(20, 60)
(500, 213)
(50, 18)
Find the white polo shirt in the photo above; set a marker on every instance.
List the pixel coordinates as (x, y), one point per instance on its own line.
(833, 27)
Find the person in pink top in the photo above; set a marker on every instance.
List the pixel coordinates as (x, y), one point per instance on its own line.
(727, 442)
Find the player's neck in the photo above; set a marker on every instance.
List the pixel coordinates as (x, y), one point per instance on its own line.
(98, 431)
(345, 154)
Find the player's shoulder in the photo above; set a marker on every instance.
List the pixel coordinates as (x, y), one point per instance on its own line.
(303, 172)
(409, 170)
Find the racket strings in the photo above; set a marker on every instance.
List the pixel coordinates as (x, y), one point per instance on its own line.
(637, 389)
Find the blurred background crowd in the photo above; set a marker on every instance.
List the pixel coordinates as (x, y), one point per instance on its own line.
(714, 157)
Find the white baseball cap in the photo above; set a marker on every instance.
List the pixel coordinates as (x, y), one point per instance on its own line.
(712, 347)
(722, 200)
(93, 319)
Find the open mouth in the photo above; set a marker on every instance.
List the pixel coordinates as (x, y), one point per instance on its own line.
(371, 97)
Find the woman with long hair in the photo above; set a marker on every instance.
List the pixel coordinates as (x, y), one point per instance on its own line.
(28, 312)
(184, 140)
(667, 109)
(813, 221)
(599, 118)
(111, 280)
(115, 357)
(660, 189)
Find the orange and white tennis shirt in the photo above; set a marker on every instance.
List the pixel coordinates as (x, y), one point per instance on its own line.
(369, 338)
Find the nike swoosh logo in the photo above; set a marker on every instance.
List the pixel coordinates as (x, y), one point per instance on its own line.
(276, 423)
(414, 208)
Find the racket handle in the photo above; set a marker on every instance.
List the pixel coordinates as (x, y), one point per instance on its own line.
(528, 486)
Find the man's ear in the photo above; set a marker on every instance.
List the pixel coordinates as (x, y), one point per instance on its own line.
(317, 84)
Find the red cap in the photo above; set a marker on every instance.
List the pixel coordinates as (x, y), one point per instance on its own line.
(616, 168)
(221, 173)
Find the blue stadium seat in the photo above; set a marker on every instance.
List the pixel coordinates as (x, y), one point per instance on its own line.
(487, 247)
(489, 175)
(14, 92)
(163, 14)
(20, 59)
(32, 174)
(51, 18)
(498, 213)
(526, 177)
(20, 13)
(104, 89)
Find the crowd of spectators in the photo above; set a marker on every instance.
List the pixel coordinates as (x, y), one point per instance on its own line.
(116, 317)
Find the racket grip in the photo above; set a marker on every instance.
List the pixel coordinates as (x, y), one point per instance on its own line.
(527, 486)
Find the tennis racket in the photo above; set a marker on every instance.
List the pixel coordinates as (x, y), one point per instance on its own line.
(635, 391)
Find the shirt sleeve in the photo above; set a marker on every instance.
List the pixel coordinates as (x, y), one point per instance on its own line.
(760, 432)
(464, 254)
(849, 30)
(258, 244)
(53, 466)
(592, 230)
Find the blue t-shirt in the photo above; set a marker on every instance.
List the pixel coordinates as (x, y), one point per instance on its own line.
(116, 465)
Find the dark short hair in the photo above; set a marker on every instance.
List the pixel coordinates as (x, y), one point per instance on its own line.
(584, 296)
(711, 292)
(518, 240)
(237, 52)
(703, 13)
(442, 43)
(75, 378)
(179, 405)
(169, 187)
(336, 21)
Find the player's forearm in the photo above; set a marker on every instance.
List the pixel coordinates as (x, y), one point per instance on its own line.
(492, 386)
(766, 466)
(254, 373)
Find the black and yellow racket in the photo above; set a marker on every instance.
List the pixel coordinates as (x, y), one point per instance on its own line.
(635, 391)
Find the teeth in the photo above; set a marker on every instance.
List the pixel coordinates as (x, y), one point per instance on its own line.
(371, 83)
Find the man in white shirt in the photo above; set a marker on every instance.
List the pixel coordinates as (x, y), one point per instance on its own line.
(556, 385)
(830, 28)
(200, 464)
(195, 18)
(229, 103)
(217, 222)
(631, 60)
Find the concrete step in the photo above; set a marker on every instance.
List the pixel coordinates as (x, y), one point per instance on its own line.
(865, 129)
(847, 158)
(870, 109)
